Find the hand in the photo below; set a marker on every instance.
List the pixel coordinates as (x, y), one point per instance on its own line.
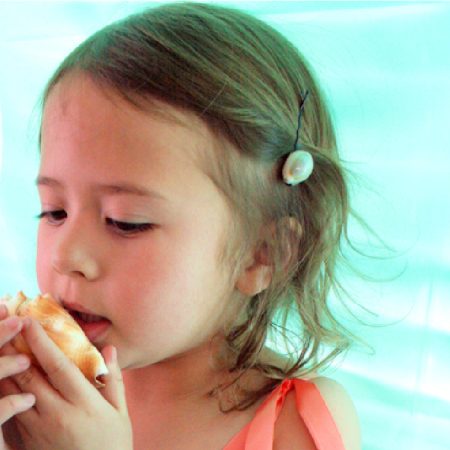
(69, 412)
(10, 405)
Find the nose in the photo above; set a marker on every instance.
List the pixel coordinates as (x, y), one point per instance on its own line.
(74, 251)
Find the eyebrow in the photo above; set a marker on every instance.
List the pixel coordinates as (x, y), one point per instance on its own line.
(112, 189)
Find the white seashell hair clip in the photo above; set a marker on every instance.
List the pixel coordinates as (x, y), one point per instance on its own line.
(299, 164)
(298, 167)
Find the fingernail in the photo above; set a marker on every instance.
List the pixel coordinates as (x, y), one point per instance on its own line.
(28, 399)
(13, 323)
(23, 361)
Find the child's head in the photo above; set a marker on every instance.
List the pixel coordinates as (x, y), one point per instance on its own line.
(132, 225)
(235, 83)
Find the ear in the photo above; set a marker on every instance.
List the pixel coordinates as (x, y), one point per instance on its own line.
(255, 278)
(258, 271)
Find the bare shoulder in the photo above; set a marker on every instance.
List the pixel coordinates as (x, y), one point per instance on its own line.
(342, 409)
(292, 434)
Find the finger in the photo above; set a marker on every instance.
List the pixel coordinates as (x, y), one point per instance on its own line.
(34, 381)
(3, 311)
(25, 435)
(114, 390)
(15, 404)
(13, 364)
(27, 380)
(62, 373)
(8, 349)
(8, 387)
(9, 328)
(26, 417)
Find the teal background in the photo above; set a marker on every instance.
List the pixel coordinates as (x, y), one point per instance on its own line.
(385, 68)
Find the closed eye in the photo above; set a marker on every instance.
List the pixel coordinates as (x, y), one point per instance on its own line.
(52, 216)
(126, 228)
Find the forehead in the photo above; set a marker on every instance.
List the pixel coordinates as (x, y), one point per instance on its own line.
(79, 108)
(162, 147)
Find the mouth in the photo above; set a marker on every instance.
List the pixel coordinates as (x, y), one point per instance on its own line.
(93, 325)
(82, 318)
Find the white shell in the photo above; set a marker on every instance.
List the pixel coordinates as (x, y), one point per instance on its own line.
(298, 167)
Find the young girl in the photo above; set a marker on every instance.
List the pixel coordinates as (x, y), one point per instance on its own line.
(192, 201)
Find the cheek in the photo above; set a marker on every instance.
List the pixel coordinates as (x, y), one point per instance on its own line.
(157, 274)
(42, 262)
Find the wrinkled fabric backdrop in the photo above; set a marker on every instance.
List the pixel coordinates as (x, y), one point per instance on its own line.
(385, 68)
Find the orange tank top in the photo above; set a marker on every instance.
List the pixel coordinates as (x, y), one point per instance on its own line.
(312, 409)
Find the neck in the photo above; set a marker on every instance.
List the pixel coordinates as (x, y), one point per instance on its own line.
(170, 400)
(188, 378)
(166, 399)
(183, 378)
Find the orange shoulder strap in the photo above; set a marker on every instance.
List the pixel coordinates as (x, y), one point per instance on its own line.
(258, 434)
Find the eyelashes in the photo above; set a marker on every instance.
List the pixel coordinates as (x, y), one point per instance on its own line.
(126, 228)
(51, 215)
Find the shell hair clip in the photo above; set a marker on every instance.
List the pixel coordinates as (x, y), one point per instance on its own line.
(299, 164)
(298, 167)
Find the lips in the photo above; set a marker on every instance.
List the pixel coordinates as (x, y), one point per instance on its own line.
(75, 307)
(93, 325)
(88, 318)
(81, 317)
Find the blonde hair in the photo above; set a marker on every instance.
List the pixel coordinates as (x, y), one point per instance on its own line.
(245, 80)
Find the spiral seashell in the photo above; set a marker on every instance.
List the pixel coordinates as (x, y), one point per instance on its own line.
(62, 329)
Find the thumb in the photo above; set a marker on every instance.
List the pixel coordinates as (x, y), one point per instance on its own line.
(114, 390)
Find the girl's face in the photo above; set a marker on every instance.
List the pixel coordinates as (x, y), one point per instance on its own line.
(105, 168)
